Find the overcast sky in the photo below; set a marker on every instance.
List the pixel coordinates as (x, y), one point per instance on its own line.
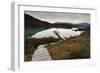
(53, 17)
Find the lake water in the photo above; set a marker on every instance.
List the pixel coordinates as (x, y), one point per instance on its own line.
(32, 31)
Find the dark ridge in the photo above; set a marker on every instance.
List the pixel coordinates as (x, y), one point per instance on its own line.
(34, 22)
(83, 26)
(63, 25)
(80, 26)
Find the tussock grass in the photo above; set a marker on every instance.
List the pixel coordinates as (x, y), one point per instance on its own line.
(73, 48)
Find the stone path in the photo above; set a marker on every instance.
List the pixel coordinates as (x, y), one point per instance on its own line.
(41, 54)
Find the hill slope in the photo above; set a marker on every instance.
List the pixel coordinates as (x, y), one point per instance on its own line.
(34, 22)
(73, 48)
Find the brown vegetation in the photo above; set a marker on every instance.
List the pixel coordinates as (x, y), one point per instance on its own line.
(73, 48)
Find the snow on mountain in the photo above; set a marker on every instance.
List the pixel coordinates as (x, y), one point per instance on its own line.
(63, 33)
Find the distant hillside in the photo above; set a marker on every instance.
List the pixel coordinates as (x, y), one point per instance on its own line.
(83, 26)
(63, 25)
(34, 22)
(80, 26)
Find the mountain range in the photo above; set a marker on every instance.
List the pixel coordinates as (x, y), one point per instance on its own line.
(34, 22)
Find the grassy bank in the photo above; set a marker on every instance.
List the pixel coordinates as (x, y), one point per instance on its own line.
(73, 48)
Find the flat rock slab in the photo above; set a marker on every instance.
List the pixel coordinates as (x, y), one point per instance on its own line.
(41, 54)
